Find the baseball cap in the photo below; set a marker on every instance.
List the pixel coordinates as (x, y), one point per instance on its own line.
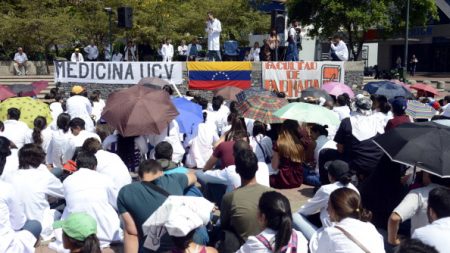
(77, 89)
(337, 168)
(77, 50)
(399, 104)
(78, 226)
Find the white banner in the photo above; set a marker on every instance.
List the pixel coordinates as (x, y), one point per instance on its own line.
(293, 77)
(116, 72)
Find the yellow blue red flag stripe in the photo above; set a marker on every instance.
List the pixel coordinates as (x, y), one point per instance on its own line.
(216, 75)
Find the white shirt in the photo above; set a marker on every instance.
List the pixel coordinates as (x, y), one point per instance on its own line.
(117, 57)
(12, 164)
(76, 57)
(322, 142)
(340, 50)
(110, 164)
(92, 52)
(130, 53)
(12, 219)
(16, 131)
(333, 240)
(229, 177)
(342, 111)
(384, 118)
(414, 206)
(436, 234)
(20, 58)
(77, 141)
(167, 52)
(214, 28)
(46, 136)
(254, 54)
(173, 137)
(91, 192)
(202, 145)
(264, 147)
(366, 127)
(253, 245)
(33, 185)
(292, 33)
(81, 107)
(319, 202)
(58, 145)
(182, 50)
(97, 109)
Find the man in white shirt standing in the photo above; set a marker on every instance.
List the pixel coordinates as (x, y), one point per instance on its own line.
(339, 50)
(16, 131)
(130, 52)
(21, 62)
(213, 28)
(167, 51)
(92, 51)
(88, 191)
(183, 51)
(437, 234)
(77, 56)
(79, 106)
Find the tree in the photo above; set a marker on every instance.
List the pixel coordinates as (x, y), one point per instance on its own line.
(356, 17)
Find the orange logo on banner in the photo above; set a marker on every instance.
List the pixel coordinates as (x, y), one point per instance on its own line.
(331, 73)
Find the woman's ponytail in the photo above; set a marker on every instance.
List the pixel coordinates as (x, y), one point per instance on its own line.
(284, 232)
(39, 124)
(91, 245)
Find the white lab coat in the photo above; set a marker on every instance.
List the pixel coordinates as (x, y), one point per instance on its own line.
(56, 151)
(173, 137)
(436, 234)
(80, 107)
(202, 145)
(16, 131)
(92, 52)
(254, 54)
(110, 164)
(214, 28)
(12, 164)
(46, 136)
(97, 109)
(319, 202)
(322, 142)
(333, 240)
(91, 192)
(77, 141)
(12, 219)
(340, 50)
(253, 245)
(77, 58)
(130, 53)
(167, 52)
(33, 186)
(117, 57)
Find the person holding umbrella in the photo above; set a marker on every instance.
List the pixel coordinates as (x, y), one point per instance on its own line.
(400, 117)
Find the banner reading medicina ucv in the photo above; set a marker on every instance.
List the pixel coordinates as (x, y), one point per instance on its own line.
(293, 77)
(116, 72)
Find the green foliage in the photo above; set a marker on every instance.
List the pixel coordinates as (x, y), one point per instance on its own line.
(57, 26)
(355, 17)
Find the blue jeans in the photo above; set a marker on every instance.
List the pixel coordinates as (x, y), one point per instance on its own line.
(34, 227)
(302, 224)
(214, 55)
(334, 57)
(310, 177)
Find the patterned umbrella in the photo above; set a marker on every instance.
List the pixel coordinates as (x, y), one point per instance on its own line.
(243, 95)
(261, 108)
(228, 93)
(315, 93)
(29, 109)
(153, 82)
(418, 110)
(6, 92)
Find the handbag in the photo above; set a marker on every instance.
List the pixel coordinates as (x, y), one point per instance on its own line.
(266, 158)
(353, 239)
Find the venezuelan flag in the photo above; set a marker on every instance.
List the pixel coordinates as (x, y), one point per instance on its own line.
(216, 75)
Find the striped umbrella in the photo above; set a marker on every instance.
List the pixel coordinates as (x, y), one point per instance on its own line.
(261, 108)
(243, 95)
(418, 110)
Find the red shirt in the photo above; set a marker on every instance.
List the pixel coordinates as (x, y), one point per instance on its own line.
(225, 153)
(397, 121)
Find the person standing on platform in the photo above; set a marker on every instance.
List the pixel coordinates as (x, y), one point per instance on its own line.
(167, 51)
(77, 56)
(130, 52)
(193, 49)
(182, 51)
(213, 28)
(339, 50)
(92, 51)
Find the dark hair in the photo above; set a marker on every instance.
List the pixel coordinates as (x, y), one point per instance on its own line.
(91, 146)
(168, 89)
(439, 201)
(258, 128)
(90, 245)
(31, 155)
(86, 160)
(149, 166)
(237, 131)
(246, 164)
(5, 151)
(2, 126)
(383, 104)
(336, 36)
(321, 130)
(95, 96)
(347, 203)
(77, 122)
(39, 124)
(14, 113)
(342, 100)
(217, 102)
(182, 243)
(277, 211)
(233, 107)
(447, 98)
(163, 151)
(126, 148)
(63, 122)
(415, 246)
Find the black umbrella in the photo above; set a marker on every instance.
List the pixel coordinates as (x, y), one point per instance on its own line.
(316, 93)
(425, 144)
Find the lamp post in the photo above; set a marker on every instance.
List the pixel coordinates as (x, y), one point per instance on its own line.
(109, 11)
(405, 68)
